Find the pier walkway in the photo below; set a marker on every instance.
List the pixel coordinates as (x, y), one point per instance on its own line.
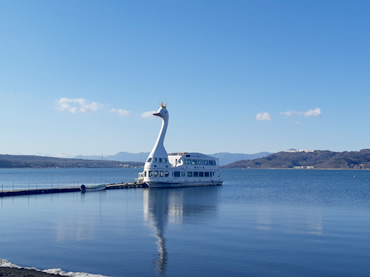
(67, 189)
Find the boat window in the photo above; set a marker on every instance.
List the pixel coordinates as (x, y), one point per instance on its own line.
(187, 161)
(194, 162)
(200, 162)
(205, 162)
(183, 174)
(195, 173)
(160, 160)
(166, 174)
(165, 160)
(201, 174)
(206, 174)
(190, 174)
(149, 160)
(155, 173)
(176, 174)
(212, 162)
(154, 160)
(144, 173)
(161, 173)
(150, 173)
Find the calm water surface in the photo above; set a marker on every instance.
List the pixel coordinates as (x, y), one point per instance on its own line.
(259, 223)
(32, 178)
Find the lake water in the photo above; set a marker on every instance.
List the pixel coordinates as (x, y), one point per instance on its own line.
(31, 178)
(259, 223)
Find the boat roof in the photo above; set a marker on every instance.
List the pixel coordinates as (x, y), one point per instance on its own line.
(192, 155)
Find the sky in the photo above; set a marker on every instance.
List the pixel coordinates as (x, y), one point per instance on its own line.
(81, 77)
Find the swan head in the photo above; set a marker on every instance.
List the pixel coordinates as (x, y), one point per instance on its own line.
(162, 112)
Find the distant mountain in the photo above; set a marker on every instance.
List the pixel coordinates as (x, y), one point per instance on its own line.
(224, 157)
(130, 157)
(121, 156)
(286, 159)
(29, 161)
(309, 159)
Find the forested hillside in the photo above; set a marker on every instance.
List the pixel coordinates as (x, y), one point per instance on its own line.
(316, 159)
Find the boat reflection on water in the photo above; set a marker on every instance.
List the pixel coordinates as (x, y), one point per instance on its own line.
(177, 206)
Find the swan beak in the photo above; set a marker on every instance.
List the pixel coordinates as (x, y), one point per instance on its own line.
(157, 114)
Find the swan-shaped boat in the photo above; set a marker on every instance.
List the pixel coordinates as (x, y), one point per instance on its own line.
(177, 169)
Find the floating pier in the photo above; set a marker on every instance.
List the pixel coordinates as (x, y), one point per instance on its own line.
(67, 189)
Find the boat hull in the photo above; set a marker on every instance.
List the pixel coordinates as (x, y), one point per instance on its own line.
(182, 184)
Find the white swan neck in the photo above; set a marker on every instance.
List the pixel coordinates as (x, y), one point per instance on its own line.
(159, 149)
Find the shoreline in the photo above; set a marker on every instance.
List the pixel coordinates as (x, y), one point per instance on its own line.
(8, 269)
(277, 168)
(24, 272)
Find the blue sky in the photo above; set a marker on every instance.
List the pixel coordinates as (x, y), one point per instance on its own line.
(78, 77)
